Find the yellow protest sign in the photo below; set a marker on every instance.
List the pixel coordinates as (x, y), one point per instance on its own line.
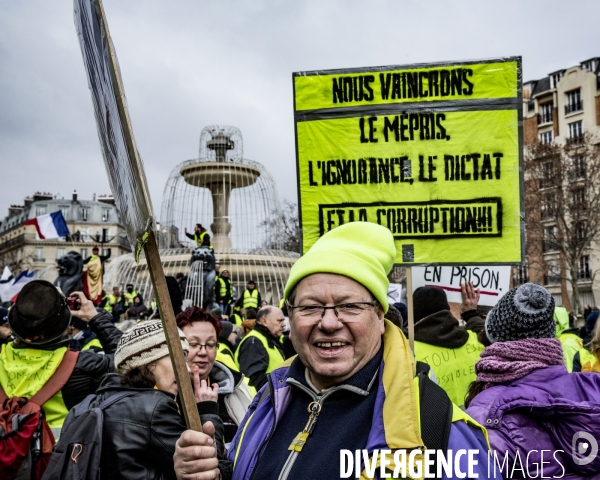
(442, 171)
(395, 85)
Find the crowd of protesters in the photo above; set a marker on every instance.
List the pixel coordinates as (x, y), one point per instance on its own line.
(282, 389)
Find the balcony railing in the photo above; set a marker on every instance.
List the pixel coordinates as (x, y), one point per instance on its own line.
(573, 107)
(12, 242)
(575, 139)
(547, 181)
(584, 274)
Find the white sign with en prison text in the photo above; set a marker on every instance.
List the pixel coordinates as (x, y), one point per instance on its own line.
(493, 282)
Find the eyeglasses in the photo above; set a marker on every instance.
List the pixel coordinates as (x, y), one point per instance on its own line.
(344, 310)
(209, 347)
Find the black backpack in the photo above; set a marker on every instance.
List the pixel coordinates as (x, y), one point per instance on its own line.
(436, 414)
(78, 452)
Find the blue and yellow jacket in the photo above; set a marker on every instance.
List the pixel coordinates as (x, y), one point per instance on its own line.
(396, 420)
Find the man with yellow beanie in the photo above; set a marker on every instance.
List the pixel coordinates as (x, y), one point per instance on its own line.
(353, 385)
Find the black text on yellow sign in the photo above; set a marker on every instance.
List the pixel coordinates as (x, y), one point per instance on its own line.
(420, 220)
(444, 175)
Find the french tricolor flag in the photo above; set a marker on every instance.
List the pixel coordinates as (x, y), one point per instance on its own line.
(52, 225)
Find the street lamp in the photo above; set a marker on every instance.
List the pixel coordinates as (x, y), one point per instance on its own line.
(102, 239)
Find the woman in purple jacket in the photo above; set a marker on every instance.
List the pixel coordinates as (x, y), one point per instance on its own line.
(542, 421)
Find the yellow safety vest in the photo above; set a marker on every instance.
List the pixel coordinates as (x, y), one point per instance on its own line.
(571, 344)
(225, 356)
(591, 366)
(223, 287)
(129, 297)
(113, 299)
(453, 367)
(251, 298)
(23, 373)
(236, 319)
(200, 238)
(107, 306)
(275, 356)
(92, 343)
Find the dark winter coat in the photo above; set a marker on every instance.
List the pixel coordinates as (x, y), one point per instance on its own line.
(474, 321)
(140, 431)
(254, 359)
(441, 329)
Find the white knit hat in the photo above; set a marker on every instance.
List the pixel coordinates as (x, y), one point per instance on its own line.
(144, 344)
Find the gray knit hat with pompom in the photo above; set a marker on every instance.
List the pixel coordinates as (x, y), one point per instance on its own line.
(524, 312)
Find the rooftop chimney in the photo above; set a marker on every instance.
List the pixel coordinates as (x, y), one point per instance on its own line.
(14, 209)
(40, 196)
(108, 199)
(74, 195)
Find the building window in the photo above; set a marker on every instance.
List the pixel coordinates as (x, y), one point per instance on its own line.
(584, 272)
(85, 212)
(546, 138)
(530, 106)
(552, 276)
(105, 214)
(574, 103)
(548, 206)
(520, 275)
(104, 252)
(581, 229)
(39, 254)
(60, 252)
(589, 66)
(579, 164)
(40, 210)
(554, 79)
(546, 115)
(547, 174)
(587, 298)
(64, 210)
(550, 234)
(576, 131)
(578, 198)
(83, 252)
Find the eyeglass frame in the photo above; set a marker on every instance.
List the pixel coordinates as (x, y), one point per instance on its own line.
(200, 345)
(373, 303)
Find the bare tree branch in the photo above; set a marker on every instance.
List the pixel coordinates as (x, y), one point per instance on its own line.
(562, 211)
(287, 227)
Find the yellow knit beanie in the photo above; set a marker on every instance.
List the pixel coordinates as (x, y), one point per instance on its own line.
(362, 251)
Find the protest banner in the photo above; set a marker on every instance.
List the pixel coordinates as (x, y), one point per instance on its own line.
(432, 152)
(492, 281)
(126, 175)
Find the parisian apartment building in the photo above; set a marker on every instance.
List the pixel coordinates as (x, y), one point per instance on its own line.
(90, 222)
(563, 107)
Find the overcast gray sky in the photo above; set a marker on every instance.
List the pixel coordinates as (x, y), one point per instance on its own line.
(187, 64)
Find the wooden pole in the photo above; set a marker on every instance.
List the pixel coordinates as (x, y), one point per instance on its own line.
(178, 358)
(409, 306)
